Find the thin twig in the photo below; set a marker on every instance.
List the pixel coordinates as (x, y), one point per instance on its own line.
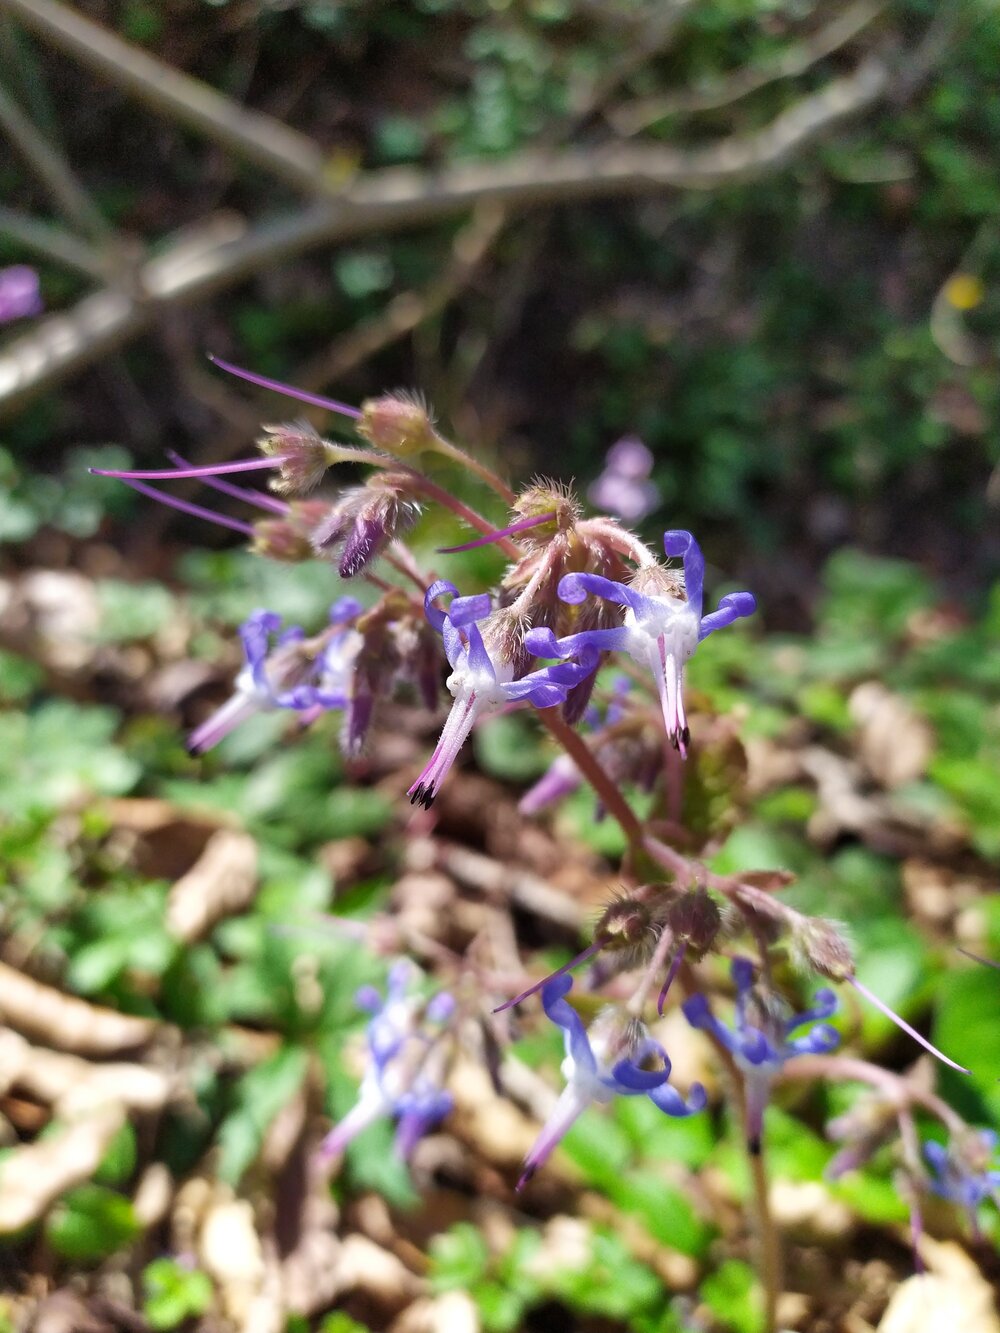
(794, 60)
(250, 135)
(53, 242)
(47, 163)
(397, 197)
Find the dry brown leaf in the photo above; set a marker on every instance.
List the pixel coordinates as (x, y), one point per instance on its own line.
(454, 1312)
(64, 1021)
(808, 1212)
(220, 883)
(364, 1266)
(953, 1294)
(894, 741)
(230, 1249)
(71, 1085)
(34, 1176)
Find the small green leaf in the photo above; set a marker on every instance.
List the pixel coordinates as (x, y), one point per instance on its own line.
(173, 1293)
(90, 1223)
(459, 1257)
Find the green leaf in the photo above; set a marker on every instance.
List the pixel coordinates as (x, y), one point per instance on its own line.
(731, 1292)
(459, 1258)
(174, 1293)
(131, 611)
(120, 1159)
(508, 748)
(90, 1223)
(262, 1094)
(667, 1215)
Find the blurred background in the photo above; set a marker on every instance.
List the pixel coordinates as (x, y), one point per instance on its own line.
(761, 235)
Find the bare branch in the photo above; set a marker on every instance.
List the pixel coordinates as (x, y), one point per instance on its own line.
(397, 197)
(795, 60)
(47, 163)
(251, 135)
(411, 308)
(44, 238)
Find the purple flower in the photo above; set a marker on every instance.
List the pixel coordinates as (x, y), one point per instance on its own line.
(294, 673)
(600, 1064)
(405, 1068)
(563, 777)
(963, 1171)
(660, 630)
(624, 488)
(761, 1037)
(20, 294)
(486, 675)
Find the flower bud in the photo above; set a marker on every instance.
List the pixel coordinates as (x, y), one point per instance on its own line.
(397, 423)
(820, 945)
(363, 522)
(288, 537)
(625, 929)
(541, 498)
(695, 920)
(305, 456)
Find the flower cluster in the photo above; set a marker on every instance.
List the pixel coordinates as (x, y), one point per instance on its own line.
(605, 1061)
(406, 1064)
(285, 669)
(488, 672)
(761, 1039)
(577, 591)
(660, 629)
(963, 1171)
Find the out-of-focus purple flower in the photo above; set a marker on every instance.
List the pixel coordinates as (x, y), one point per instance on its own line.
(624, 488)
(406, 1064)
(761, 1038)
(563, 777)
(660, 630)
(284, 670)
(963, 1171)
(20, 293)
(559, 781)
(486, 675)
(601, 1063)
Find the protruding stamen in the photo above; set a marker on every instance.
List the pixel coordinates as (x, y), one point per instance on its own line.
(186, 507)
(179, 473)
(672, 970)
(243, 493)
(289, 390)
(902, 1023)
(491, 537)
(566, 967)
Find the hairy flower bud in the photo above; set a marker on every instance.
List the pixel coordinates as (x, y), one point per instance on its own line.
(545, 497)
(819, 944)
(695, 920)
(305, 456)
(288, 537)
(363, 522)
(399, 424)
(625, 929)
